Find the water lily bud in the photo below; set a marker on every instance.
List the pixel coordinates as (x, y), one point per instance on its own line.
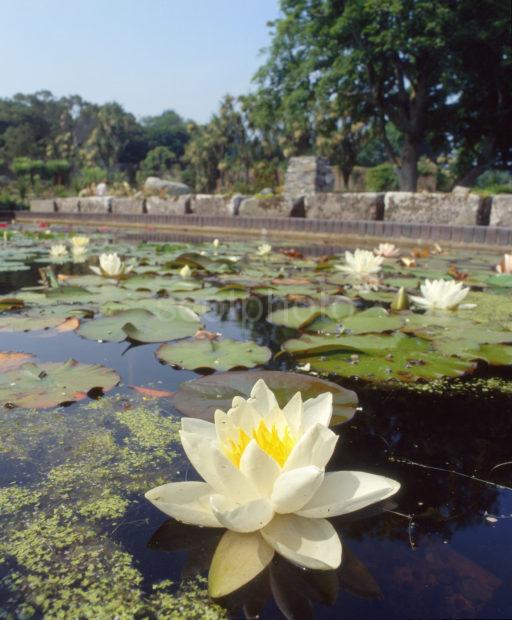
(185, 272)
(400, 301)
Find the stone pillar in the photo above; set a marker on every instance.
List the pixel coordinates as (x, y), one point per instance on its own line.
(307, 175)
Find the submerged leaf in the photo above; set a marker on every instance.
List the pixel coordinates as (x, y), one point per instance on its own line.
(201, 397)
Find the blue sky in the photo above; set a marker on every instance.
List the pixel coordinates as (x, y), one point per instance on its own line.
(149, 55)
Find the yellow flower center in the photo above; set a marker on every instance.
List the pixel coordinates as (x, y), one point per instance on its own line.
(276, 445)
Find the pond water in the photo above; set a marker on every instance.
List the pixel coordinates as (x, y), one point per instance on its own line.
(77, 537)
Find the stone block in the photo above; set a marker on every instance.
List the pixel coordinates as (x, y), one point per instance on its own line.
(432, 208)
(307, 175)
(67, 205)
(501, 210)
(345, 206)
(127, 205)
(95, 204)
(46, 205)
(234, 204)
(176, 205)
(274, 206)
(209, 204)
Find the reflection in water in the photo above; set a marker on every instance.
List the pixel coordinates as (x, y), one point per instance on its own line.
(293, 590)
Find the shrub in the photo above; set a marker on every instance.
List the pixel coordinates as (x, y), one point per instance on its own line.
(382, 178)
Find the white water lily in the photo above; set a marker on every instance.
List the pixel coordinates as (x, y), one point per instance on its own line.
(215, 243)
(111, 266)
(79, 241)
(58, 250)
(264, 474)
(185, 272)
(361, 264)
(441, 294)
(264, 249)
(505, 264)
(79, 251)
(388, 250)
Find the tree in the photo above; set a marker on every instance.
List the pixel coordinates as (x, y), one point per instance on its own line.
(481, 113)
(380, 63)
(221, 153)
(167, 129)
(158, 162)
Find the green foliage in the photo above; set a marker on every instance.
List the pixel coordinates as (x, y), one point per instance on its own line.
(382, 178)
(495, 182)
(158, 162)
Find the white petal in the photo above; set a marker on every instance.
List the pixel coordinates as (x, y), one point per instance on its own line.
(312, 543)
(216, 469)
(317, 411)
(295, 488)
(96, 270)
(227, 572)
(262, 398)
(199, 427)
(188, 502)
(293, 412)
(260, 468)
(346, 491)
(315, 447)
(243, 518)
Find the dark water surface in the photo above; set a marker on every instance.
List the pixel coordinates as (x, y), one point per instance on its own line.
(441, 549)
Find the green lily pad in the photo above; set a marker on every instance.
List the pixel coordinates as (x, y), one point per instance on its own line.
(374, 320)
(142, 325)
(33, 320)
(218, 355)
(407, 364)
(201, 397)
(300, 317)
(372, 345)
(43, 385)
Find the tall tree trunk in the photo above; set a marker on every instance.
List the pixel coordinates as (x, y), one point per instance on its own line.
(408, 170)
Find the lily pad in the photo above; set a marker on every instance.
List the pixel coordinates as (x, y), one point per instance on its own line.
(406, 359)
(219, 355)
(201, 397)
(142, 325)
(43, 385)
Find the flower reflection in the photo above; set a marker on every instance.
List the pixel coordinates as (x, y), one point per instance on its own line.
(294, 590)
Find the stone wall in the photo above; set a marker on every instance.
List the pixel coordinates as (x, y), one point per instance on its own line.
(176, 205)
(436, 208)
(501, 210)
(363, 206)
(95, 204)
(460, 208)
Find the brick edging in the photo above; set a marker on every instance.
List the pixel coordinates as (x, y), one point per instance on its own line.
(481, 235)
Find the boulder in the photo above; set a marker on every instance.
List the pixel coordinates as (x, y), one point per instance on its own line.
(67, 205)
(209, 204)
(432, 208)
(501, 210)
(345, 206)
(47, 205)
(266, 191)
(176, 205)
(95, 204)
(154, 185)
(274, 206)
(127, 205)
